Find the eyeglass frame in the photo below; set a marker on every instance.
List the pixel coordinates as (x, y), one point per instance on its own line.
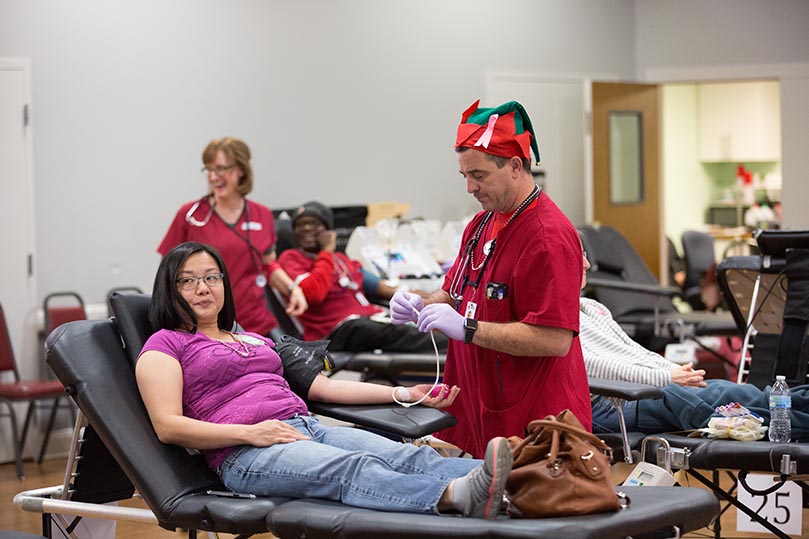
(219, 278)
(219, 171)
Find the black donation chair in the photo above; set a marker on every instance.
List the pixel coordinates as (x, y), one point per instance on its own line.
(620, 280)
(94, 366)
(768, 295)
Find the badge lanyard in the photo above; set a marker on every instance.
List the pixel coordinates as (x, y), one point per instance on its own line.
(261, 279)
(344, 279)
(461, 277)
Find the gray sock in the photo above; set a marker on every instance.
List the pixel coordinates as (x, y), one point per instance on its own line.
(480, 492)
(461, 500)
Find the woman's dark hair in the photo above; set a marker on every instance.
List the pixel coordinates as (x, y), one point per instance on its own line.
(168, 309)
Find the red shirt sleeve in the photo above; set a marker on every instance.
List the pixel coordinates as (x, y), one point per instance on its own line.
(316, 286)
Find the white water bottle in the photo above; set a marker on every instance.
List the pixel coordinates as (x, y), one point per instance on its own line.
(780, 408)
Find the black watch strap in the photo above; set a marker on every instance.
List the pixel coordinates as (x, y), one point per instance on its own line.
(470, 327)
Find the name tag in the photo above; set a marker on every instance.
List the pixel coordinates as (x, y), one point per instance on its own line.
(251, 225)
(249, 339)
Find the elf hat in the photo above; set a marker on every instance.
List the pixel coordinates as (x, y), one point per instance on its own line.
(504, 131)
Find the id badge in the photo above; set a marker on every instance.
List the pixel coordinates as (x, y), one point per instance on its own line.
(471, 308)
(496, 291)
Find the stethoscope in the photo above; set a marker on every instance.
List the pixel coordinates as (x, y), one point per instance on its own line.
(261, 279)
(461, 277)
(344, 275)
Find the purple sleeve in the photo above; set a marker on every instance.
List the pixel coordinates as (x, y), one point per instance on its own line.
(163, 341)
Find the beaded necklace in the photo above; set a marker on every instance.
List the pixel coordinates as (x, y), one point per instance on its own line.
(488, 247)
(244, 352)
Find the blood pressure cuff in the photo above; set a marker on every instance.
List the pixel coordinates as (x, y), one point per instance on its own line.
(303, 361)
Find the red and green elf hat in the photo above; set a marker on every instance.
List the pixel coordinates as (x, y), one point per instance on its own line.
(504, 131)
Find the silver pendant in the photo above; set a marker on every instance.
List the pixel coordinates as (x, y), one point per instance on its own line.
(261, 281)
(487, 247)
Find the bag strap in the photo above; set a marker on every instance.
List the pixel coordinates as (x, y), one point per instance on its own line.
(534, 428)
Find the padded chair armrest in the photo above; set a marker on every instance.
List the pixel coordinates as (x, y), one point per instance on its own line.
(394, 363)
(625, 390)
(633, 287)
(413, 422)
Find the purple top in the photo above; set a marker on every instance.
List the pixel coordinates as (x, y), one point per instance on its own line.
(221, 386)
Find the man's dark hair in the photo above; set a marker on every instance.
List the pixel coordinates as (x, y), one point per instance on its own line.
(168, 309)
(498, 160)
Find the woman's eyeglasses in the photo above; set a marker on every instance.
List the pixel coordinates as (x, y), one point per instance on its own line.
(216, 170)
(212, 280)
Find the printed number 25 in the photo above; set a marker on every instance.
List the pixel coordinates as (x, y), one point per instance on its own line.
(777, 505)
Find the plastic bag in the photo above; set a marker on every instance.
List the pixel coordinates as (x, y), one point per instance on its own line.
(743, 428)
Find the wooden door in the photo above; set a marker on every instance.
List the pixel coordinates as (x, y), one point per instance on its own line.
(635, 211)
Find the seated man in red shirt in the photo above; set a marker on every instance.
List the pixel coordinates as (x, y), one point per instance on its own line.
(337, 290)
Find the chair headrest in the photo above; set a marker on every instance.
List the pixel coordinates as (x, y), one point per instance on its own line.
(605, 247)
(776, 242)
(131, 312)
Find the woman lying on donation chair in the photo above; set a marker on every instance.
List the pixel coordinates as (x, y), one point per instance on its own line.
(688, 400)
(226, 394)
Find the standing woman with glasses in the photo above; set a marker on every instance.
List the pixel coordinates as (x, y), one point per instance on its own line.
(242, 230)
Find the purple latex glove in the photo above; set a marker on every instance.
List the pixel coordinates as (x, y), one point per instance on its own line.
(404, 307)
(444, 318)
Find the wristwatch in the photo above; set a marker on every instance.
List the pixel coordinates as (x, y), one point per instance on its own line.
(470, 326)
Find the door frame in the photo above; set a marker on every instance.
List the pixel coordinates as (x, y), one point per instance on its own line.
(23, 335)
(794, 158)
(589, 174)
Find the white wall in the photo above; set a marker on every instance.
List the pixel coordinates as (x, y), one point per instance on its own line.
(697, 40)
(347, 101)
(795, 142)
(686, 188)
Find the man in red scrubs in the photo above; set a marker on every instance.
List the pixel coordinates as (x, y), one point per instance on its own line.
(510, 302)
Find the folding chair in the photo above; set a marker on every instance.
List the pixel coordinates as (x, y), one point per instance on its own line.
(30, 391)
(61, 307)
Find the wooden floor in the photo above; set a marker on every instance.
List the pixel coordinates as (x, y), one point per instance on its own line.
(51, 473)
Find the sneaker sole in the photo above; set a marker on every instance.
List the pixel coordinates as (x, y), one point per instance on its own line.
(501, 462)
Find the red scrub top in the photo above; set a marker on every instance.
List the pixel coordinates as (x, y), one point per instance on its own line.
(244, 263)
(532, 276)
(339, 299)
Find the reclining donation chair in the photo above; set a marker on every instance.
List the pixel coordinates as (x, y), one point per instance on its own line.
(98, 374)
(620, 280)
(768, 295)
(393, 368)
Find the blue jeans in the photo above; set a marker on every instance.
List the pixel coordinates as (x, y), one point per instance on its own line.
(605, 416)
(687, 408)
(345, 464)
